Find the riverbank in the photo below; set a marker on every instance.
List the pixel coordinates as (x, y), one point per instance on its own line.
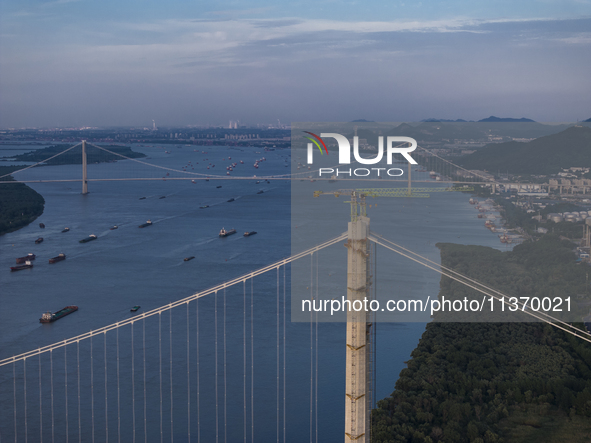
(19, 204)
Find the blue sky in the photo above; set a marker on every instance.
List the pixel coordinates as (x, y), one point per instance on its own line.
(94, 63)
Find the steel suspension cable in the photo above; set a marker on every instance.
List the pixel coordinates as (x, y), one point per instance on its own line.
(252, 360)
(66, 389)
(40, 404)
(133, 381)
(198, 375)
(277, 354)
(14, 401)
(500, 294)
(160, 371)
(188, 381)
(25, 394)
(284, 383)
(42, 161)
(215, 329)
(52, 414)
(171, 399)
(311, 341)
(244, 354)
(106, 390)
(225, 377)
(453, 277)
(453, 164)
(118, 394)
(145, 392)
(199, 174)
(78, 370)
(92, 386)
(316, 381)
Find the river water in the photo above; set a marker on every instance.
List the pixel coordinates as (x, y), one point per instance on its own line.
(130, 266)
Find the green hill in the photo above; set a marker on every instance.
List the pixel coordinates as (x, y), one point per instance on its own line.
(544, 155)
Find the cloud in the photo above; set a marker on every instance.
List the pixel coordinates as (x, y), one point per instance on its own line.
(58, 2)
(578, 39)
(174, 68)
(240, 12)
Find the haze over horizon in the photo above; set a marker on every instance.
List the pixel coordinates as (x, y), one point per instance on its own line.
(70, 63)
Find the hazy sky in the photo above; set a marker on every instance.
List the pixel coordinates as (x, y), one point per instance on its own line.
(180, 62)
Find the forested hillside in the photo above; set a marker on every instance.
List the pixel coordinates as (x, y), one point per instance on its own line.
(493, 382)
(544, 155)
(19, 204)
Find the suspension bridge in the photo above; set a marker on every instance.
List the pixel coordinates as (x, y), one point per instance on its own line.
(132, 380)
(439, 169)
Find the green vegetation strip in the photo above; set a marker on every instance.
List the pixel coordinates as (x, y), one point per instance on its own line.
(19, 204)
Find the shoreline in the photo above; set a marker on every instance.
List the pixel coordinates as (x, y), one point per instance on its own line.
(15, 198)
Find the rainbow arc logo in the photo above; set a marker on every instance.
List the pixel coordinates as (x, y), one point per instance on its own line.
(316, 143)
(394, 145)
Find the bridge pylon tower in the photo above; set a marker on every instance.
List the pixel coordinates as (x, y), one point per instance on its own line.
(84, 173)
(358, 372)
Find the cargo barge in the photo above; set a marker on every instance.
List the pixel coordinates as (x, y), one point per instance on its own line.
(224, 233)
(60, 257)
(21, 260)
(248, 234)
(148, 223)
(48, 317)
(27, 265)
(91, 237)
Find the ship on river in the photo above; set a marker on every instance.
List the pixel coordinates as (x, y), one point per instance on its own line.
(91, 237)
(27, 265)
(48, 317)
(28, 257)
(224, 233)
(57, 258)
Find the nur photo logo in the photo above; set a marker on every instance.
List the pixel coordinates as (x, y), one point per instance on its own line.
(394, 145)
